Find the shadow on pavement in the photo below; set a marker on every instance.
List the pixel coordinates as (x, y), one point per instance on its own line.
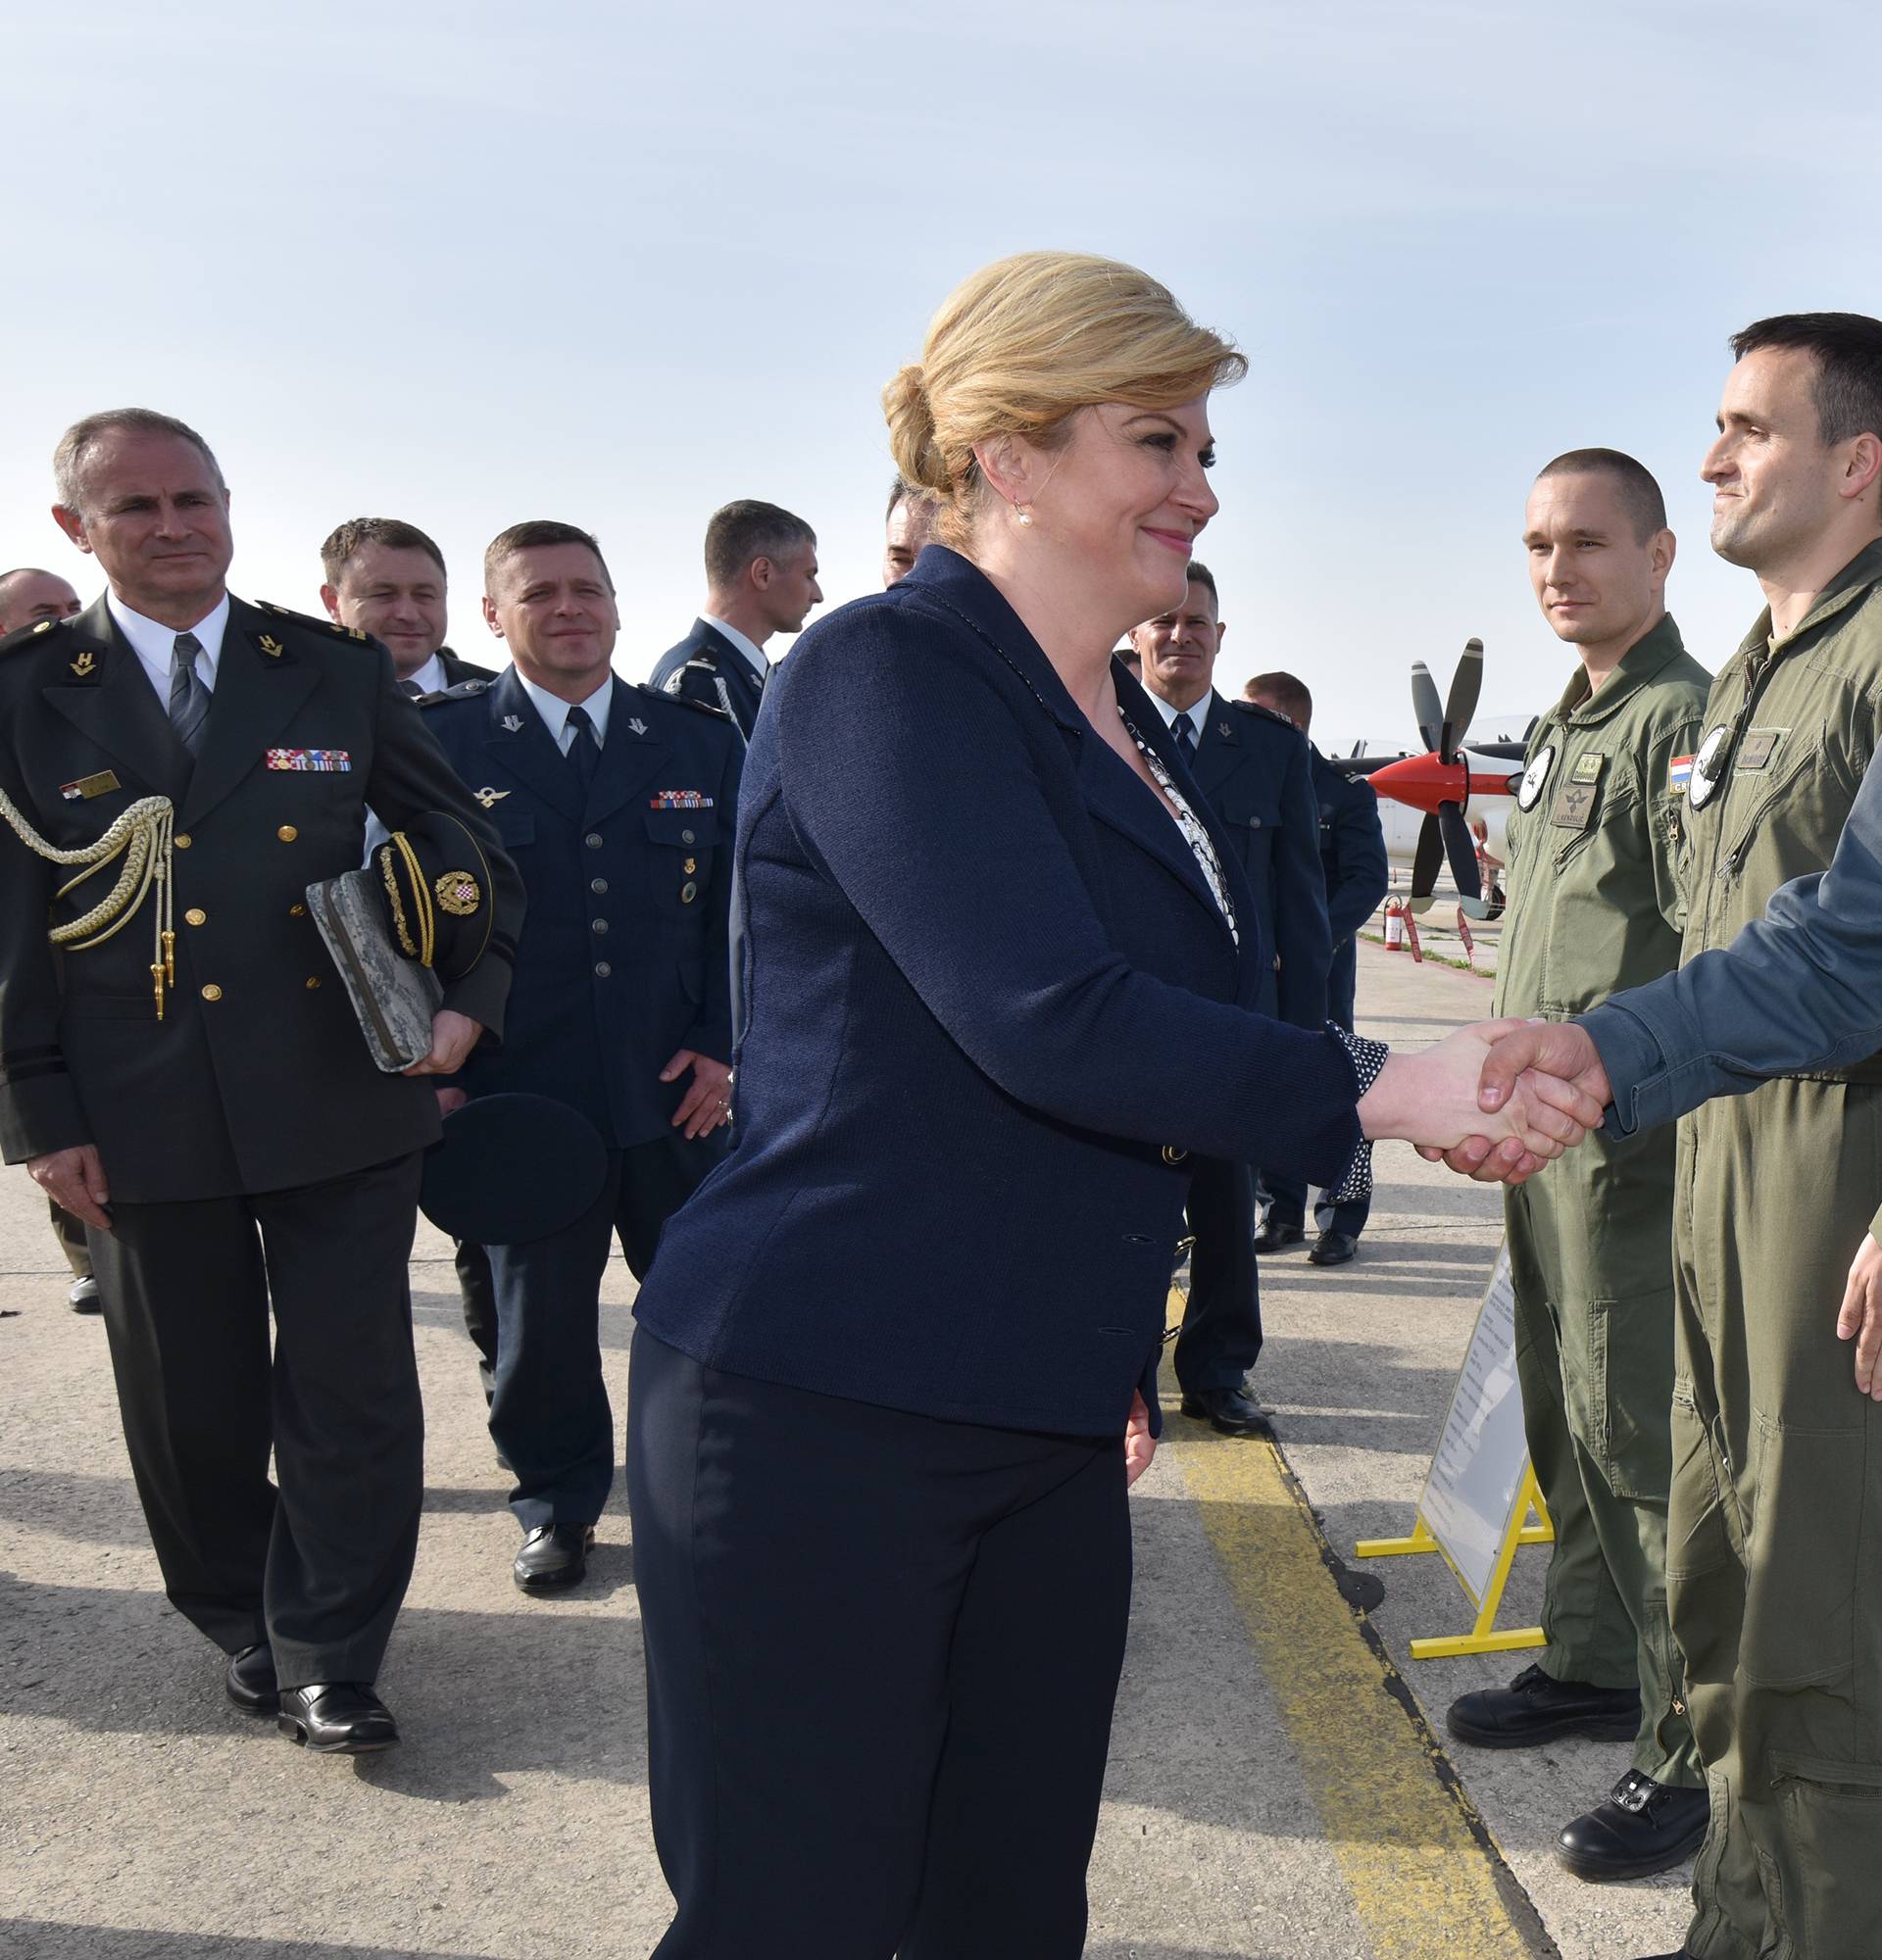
(54, 1939)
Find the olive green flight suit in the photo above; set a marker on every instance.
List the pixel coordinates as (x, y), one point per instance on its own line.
(1775, 1568)
(1593, 907)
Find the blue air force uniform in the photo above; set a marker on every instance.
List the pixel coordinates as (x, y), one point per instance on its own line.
(707, 667)
(1357, 874)
(621, 964)
(1253, 767)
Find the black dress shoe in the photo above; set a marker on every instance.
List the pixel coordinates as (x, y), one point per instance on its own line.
(336, 1717)
(1332, 1249)
(1272, 1238)
(1644, 1827)
(250, 1680)
(83, 1296)
(1536, 1708)
(1231, 1411)
(552, 1555)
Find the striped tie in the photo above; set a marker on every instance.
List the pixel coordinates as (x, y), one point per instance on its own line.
(188, 697)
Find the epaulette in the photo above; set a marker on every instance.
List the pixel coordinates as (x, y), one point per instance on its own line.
(1261, 708)
(706, 661)
(310, 622)
(677, 700)
(464, 691)
(24, 636)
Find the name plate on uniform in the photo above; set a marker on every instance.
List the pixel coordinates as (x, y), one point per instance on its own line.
(101, 784)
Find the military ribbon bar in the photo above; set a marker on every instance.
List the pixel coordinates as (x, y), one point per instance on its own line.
(323, 761)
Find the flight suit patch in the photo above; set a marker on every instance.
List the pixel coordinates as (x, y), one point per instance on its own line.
(1755, 753)
(1587, 769)
(1574, 808)
(1529, 790)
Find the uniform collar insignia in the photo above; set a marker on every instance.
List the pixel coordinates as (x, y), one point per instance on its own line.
(638, 726)
(85, 665)
(513, 723)
(1221, 729)
(271, 647)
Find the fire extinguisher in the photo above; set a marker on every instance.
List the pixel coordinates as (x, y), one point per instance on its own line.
(1394, 926)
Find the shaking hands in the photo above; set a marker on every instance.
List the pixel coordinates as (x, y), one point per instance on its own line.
(1495, 1101)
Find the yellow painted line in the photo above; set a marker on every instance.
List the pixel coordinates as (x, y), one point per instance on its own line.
(1427, 1878)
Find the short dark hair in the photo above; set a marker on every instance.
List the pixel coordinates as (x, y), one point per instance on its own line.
(75, 445)
(745, 530)
(1639, 490)
(902, 491)
(1287, 692)
(1847, 348)
(537, 531)
(1200, 575)
(394, 534)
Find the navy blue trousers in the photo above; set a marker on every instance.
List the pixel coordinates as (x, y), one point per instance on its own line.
(549, 1411)
(881, 1655)
(1221, 1336)
(1285, 1196)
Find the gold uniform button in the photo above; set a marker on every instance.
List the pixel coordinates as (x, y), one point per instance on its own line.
(313, 979)
(181, 840)
(196, 916)
(287, 833)
(212, 992)
(297, 911)
(688, 892)
(1172, 1154)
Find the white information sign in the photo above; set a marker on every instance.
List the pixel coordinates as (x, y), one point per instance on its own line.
(1477, 1469)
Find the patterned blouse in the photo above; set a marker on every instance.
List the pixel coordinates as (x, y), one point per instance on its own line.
(1368, 1056)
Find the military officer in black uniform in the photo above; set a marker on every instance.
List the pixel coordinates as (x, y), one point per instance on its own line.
(617, 804)
(1252, 766)
(387, 577)
(1357, 874)
(187, 1074)
(761, 578)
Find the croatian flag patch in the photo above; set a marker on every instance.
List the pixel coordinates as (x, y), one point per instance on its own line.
(323, 761)
(1679, 773)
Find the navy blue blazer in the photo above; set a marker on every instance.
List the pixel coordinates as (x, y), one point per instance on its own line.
(705, 666)
(1255, 770)
(622, 961)
(992, 1007)
(1354, 869)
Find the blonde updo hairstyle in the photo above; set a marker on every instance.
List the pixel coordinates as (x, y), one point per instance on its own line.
(1020, 347)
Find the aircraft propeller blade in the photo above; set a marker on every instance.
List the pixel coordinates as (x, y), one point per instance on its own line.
(1427, 863)
(1461, 705)
(1425, 705)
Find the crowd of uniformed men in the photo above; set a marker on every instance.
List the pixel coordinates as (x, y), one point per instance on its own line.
(233, 1147)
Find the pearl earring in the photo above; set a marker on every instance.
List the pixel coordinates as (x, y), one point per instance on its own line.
(1025, 517)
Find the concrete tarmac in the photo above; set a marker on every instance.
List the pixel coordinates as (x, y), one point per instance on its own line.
(1278, 1782)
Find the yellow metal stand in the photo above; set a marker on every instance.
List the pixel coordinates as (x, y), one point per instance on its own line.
(1528, 1525)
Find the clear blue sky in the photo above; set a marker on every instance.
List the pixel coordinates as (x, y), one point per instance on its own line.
(619, 263)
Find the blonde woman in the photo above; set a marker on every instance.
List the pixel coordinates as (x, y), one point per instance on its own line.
(895, 1362)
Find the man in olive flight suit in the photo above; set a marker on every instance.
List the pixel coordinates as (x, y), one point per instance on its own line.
(1594, 906)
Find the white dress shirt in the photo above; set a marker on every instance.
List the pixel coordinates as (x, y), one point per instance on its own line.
(1198, 713)
(430, 678)
(555, 712)
(752, 651)
(155, 644)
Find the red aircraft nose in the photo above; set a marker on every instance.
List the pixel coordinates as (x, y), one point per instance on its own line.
(1424, 781)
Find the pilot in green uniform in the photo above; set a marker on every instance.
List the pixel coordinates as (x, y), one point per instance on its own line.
(1775, 1568)
(1594, 906)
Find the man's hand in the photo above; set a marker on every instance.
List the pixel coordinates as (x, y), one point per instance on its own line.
(1860, 1319)
(709, 1101)
(1540, 1053)
(1139, 1444)
(453, 1037)
(76, 1179)
(450, 1100)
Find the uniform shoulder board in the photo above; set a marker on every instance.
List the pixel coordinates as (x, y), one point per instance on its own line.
(705, 661)
(310, 620)
(1260, 707)
(465, 690)
(28, 636)
(677, 700)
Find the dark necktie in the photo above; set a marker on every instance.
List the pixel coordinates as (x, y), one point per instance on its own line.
(1185, 730)
(188, 697)
(584, 750)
